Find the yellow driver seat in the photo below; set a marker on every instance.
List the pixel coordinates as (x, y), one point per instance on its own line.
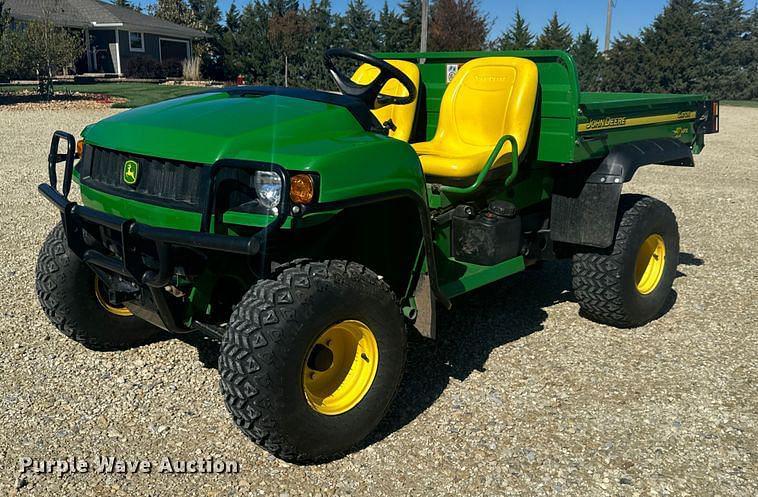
(488, 98)
(402, 115)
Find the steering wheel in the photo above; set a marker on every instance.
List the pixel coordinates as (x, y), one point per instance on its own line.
(369, 93)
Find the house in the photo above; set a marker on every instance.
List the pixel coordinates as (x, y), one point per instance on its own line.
(112, 34)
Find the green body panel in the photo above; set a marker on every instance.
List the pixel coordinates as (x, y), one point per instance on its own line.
(466, 277)
(606, 102)
(671, 116)
(163, 217)
(154, 215)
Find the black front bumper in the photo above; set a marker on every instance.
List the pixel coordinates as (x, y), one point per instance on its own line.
(78, 219)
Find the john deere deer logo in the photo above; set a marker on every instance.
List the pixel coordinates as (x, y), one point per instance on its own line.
(131, 172)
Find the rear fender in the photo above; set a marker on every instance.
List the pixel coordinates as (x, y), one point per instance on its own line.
(586, 214)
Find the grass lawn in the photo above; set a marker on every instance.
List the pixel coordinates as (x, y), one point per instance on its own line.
(136, 93)
(740, 103)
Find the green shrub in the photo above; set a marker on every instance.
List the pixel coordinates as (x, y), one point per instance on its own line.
(145, 67)
(172, 68)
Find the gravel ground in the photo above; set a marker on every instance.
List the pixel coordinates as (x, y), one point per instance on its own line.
(520, 396)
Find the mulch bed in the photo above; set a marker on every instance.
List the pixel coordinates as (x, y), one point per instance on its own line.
(28, 100)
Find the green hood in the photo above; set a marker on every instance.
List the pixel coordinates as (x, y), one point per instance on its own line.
(207, 127)
(295, 133)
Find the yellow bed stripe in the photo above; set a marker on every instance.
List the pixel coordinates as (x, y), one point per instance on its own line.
(623, 122)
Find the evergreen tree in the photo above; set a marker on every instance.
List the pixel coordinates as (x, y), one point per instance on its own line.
(255, 54)
(411, 16)
(128, 4)
(230, 47)
(392, 31)
(322, 34)
(359, 27)
(176, 11)
(726, 39)
(232, 19)
(675, 37)
(457, 25)
(588, 60)
(516, 37)
(555, 35)
(629, 66)
(5, 18)
(751, 49)
(207, 17)
(5, 21)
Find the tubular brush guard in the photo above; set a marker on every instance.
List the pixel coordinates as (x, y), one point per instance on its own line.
(77, 219)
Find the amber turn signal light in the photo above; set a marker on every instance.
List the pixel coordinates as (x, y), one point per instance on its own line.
(79, 149)
(301, 189)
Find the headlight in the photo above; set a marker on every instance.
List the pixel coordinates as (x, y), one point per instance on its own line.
(268, 188)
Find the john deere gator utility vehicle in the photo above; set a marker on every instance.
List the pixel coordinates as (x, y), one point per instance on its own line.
(309, 231)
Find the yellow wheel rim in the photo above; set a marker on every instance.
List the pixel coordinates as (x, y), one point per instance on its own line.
(102, 299)
(340, 367)
(651, 260)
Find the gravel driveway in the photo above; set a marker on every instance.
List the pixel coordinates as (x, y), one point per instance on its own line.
(520, 396)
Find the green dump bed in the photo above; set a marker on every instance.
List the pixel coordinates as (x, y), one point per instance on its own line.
(575, 126)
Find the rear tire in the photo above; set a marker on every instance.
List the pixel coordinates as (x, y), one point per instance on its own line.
(267, 359)
(629, 284)
(66, 288)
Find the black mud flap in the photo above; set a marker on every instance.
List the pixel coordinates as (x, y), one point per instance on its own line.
(587, 215)
(588, 219)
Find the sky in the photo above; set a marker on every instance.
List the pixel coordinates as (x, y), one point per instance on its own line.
(629, 16)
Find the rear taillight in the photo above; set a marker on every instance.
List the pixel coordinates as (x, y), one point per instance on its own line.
(708, 117)
(715, 116)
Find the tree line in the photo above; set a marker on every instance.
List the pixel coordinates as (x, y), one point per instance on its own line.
(708, 46)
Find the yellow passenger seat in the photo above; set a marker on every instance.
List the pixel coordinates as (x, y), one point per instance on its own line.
(402, 116)
(488, 98)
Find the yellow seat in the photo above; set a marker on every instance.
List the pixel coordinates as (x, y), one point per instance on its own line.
(402, 115)
(488, 98)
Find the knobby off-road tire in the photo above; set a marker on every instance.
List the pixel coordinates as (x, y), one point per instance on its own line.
(266, 349)
(66, 290)
(606, 283)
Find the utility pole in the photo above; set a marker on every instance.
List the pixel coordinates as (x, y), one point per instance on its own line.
(424, 23)
(611, 4)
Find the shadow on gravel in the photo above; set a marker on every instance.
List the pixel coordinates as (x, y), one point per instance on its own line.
(207, 348)
(478, 323)
(688, 259)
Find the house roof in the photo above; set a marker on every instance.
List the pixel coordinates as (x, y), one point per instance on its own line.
(95, 14)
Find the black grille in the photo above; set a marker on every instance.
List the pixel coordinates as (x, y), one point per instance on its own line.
(171, 183)
(168, 183)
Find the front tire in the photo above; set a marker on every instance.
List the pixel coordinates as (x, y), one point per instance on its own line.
(629, 284)
(312, 360)
(75, 301)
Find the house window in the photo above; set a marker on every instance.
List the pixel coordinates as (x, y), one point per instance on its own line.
(136, 42)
